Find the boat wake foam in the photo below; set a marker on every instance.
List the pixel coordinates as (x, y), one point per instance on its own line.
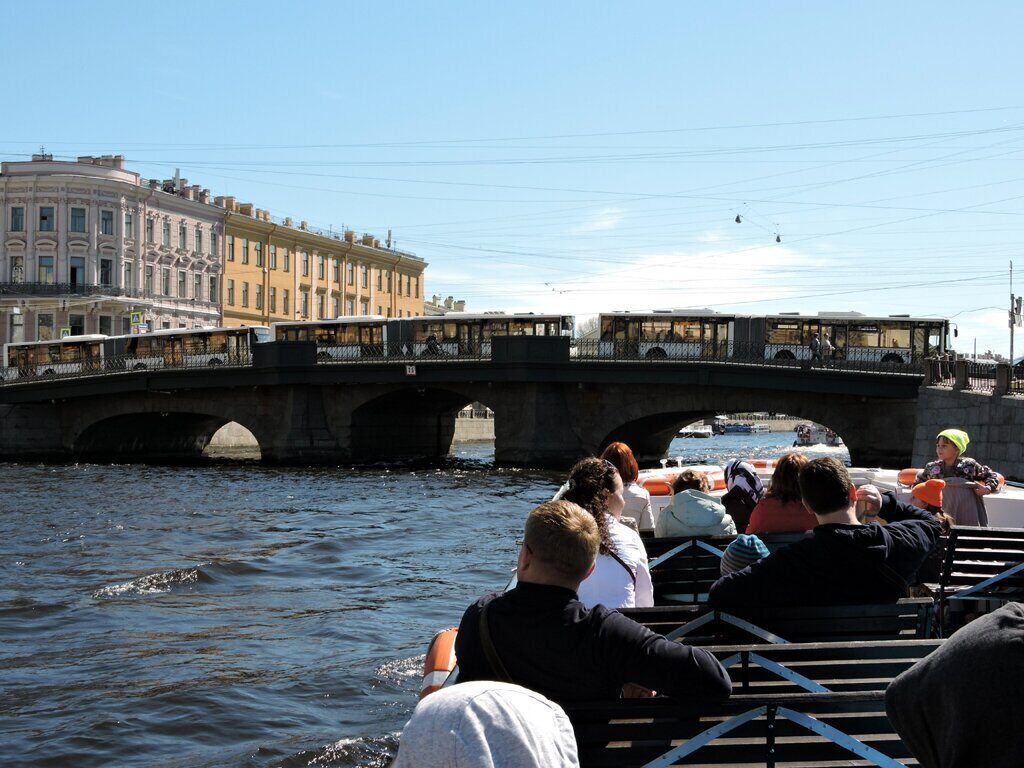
(154, 583)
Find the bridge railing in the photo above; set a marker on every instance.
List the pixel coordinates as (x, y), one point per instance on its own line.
(122, 364)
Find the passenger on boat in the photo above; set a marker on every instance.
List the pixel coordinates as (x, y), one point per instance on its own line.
(637, 500)
(693, 511)
(539, 635)
(843, 562)
(782, 510)
(959, 707)
(966, 480)
(486, 724)
(745, 490)
(741, 552)
(621, 577)
(928, 496)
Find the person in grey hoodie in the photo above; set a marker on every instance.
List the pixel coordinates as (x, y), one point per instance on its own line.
(694, 512)
(487, 724)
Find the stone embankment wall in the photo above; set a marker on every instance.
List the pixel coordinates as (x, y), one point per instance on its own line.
(995, 425)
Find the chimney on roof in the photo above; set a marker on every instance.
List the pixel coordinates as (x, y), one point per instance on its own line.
(118, 161)
(84, 159)
(187, 193)
(449, 302)
(154, 183)
(460, 306)
(42, 157)
(303, 225)
(288, 221)
(204, 196)
(350, 236)
(435, 299)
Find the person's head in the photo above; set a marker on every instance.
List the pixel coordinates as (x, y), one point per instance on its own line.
(785, 484)
(742, 475)
(928, 495)
(559, 545)
(595, 485)
(622, 457)
(691, 480)
(950, 444)
(825, 487)
(741, 552)
(487, 723)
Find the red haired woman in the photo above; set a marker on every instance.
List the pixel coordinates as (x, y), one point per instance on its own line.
(638, 501)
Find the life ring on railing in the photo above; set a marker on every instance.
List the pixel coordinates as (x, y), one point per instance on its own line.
(657, 486)
(908, 477)
(440, 661)
(762, 465)
(662, 485)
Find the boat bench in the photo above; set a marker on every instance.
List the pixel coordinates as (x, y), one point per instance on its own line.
(980, 564)
(684, 568)
(905, 619)
(787, 729)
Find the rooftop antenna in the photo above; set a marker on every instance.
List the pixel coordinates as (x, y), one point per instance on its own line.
(389, 239)
(42, 149)
(177, 180)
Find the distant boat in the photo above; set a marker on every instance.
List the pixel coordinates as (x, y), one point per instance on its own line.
(745, 429)
(696, 430)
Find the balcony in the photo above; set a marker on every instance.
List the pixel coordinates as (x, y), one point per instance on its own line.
(65, 289)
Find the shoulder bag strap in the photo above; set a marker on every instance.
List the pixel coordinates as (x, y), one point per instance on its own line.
(490, 651)
(624, 564)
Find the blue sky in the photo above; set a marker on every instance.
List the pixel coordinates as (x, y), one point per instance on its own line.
(578, 156)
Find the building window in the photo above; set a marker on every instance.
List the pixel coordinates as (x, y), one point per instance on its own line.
(199, 239)
(364, 307)
(106, 222)
(214, 295)
(245, 294)
(77, 324)
(272, 295)
(231, 248)
(231, 292)
(284, 301)
(46, 218)
(321, 306)
(182, 284)
(305, 263)
(416, 285)
(106, 272)
(351, 276)
(273, 257)
(259, 254)
(380, 279)
(182, 236)
(380, 310)
(245, 250)
(364, 276)
(126, 326)
(287, 260)
(214, 243)
(149, 231)
(320, 266)
(77, 220)
(389, 311)
(129, 271)
(389, 281)
(305, 303)
(336, 270)
(18, 219)
(335, 306)
(408, 285)
(106, 325)
(165, 282)
(350, 307)
(197, 286)
(149, 279)
(399, 313)
(129, 226)
(167, 234)
(44, 327)
(398, 285)
(259, 297)
(46, 269)
(76, 272)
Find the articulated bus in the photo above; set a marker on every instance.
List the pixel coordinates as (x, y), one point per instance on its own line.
(345, 338)
(459, 333)
(852, 336)
(72, 354)
(661, 334)
(184, 348)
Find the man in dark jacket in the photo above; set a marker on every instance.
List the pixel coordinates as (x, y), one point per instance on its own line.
(844, 561)
(540, 636)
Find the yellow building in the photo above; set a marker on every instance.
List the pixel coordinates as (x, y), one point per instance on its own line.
(279, 270)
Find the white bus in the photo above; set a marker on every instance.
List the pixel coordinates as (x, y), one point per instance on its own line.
(70, 355)
(345, 338)
(184, 348)
(666, 334)
(461, 333)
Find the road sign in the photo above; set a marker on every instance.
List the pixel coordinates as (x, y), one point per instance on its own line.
(136, 318)
(410, 370)
(65, 331)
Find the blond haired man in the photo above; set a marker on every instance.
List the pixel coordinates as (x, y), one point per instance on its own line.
(539, 635)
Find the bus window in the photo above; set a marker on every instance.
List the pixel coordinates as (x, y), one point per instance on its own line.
(936, 340)
(895, 335)
(863, 336)
(686, 330)
(606, 329)
(784, 332)
(656, 330)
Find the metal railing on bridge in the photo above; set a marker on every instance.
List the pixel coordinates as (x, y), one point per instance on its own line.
(586, 351)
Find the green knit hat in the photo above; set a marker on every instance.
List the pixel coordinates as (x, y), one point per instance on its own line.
(957, 437)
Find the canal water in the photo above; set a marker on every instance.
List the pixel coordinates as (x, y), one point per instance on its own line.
(239, 615)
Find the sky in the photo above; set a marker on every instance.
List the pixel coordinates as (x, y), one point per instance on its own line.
(578, 157)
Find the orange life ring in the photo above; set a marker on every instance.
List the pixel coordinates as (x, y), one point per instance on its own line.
(656, 486)
(763, 465)
(907, 478)
(440, 661)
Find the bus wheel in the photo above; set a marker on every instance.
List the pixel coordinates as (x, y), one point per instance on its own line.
(323, 357)
(49, 372)
(139, 367)
(892, 357)
(657, 353)
(785, 354)
(216, 361)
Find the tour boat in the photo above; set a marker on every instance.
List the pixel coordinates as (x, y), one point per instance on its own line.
(812, 434)
(696, 430)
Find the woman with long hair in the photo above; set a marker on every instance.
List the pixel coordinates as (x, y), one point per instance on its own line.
(621, 577)
(637, 500)
(782, 509)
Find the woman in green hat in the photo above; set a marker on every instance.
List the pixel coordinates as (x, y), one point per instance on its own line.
(966, 480)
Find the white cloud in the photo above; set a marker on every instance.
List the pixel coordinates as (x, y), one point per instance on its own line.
(602, 221)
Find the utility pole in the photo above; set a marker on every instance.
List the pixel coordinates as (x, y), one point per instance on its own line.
(1014, 312)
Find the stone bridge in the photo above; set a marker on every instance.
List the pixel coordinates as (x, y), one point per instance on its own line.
(549, 409)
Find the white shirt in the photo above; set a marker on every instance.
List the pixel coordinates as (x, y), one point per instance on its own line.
(638, 506)
(609, 584)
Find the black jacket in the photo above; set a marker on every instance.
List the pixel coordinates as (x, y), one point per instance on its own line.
(549, 642)
(837, 564)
